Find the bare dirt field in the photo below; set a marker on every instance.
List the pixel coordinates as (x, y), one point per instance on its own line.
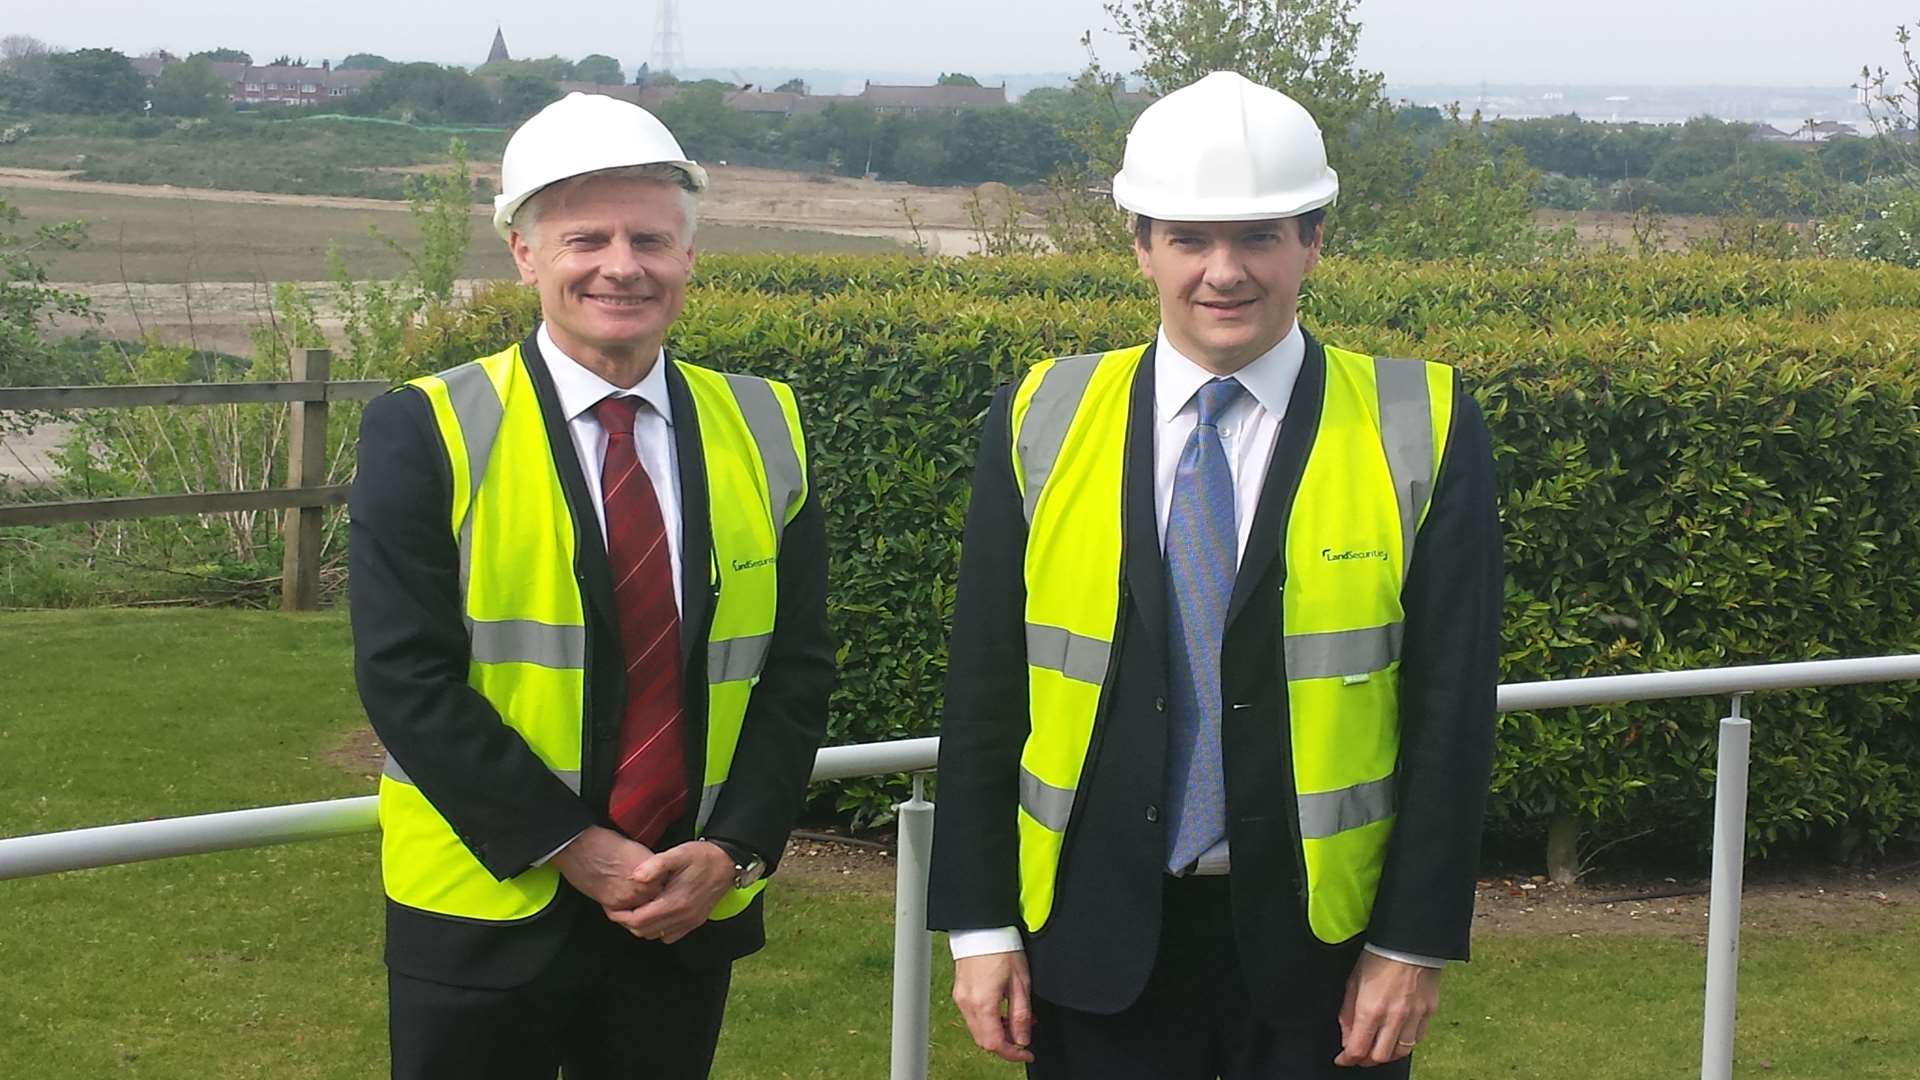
(165, 234)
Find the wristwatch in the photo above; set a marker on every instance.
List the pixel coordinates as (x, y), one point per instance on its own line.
(748, 866)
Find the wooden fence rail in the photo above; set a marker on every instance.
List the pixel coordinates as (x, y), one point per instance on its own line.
(305, 498)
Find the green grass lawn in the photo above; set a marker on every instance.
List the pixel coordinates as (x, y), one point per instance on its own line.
(266, 963)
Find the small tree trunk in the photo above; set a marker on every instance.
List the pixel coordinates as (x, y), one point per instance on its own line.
(1563, 848)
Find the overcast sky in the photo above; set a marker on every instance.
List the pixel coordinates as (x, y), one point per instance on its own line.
(1755, 42)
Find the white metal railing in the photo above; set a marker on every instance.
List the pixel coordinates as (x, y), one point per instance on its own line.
(81, 849)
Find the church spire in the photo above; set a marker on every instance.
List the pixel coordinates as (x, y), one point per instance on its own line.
(499, 50)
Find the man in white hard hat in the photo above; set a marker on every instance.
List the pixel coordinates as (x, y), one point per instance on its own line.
(589, 616)
(1221, 689)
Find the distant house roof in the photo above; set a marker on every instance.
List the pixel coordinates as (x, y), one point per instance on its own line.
(232, 71)
(286, 73)
(781, 102)
(882, 96)
(647, 97)
(499, 50)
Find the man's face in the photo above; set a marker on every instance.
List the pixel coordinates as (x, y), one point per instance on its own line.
(1228, 289)
(611, 257)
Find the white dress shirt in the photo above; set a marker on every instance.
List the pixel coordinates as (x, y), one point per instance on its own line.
(1248, 430)
(579, 391)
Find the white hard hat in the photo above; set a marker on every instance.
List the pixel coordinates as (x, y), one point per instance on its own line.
(580, 134)
(1224, 149)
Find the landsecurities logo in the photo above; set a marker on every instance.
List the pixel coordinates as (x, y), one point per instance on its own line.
(1331, 555)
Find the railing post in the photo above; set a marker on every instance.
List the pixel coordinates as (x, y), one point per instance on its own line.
(912, 943)
(1723, 913)
(306, 468)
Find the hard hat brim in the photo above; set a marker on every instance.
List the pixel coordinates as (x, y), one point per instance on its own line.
(506, 206)
(1293, 204)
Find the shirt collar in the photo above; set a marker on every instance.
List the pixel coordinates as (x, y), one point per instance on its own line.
(1269, 378)
(581, 389)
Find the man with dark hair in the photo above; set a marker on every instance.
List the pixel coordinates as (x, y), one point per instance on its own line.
(1221, 693)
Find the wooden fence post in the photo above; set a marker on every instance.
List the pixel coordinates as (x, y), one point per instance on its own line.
(306, 468)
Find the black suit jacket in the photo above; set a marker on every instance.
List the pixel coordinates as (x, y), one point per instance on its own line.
(1098, 948)
(411, 658)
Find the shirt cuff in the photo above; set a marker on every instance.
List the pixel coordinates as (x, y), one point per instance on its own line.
(1408, 958)
(998, 939)
(548, 857)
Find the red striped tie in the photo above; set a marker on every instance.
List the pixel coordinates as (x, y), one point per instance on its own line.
(649, 782)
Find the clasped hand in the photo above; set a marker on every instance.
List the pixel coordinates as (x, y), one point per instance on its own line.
(662, 896)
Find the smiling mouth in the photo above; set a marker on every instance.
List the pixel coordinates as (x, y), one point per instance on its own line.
(617, 301)
(1226, 307)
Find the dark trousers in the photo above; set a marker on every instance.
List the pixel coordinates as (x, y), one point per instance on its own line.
(1194, 1020)
(607, 1009)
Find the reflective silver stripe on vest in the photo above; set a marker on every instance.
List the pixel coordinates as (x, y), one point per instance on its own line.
(1329, 813)
(733, 659)
(522, 641)
(767, 422)
(1406, 431)
(392, 771)
(1049, 413)
(1068, 653)
(709, 795)
(1343, 652)
(476, 405)
(1044, 803)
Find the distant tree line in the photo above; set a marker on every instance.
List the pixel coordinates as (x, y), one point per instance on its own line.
(1704, 166)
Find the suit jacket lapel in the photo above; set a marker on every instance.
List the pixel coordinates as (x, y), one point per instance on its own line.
(696, 533)
(1145, 569)
(590, 547)
(1284, 469)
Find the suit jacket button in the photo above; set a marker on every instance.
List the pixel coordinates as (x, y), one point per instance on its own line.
(1153, 814)
(1159, 704)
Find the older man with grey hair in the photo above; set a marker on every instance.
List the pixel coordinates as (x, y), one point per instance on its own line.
(589, 614)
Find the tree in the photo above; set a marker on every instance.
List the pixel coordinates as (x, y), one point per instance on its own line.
(287, 60)
(599, 68)
(792, 86)
(26, 301)
(363, 61)
(15, 48)
(426, 92)
(190, 88)
(23, 71)
(956, 78)
(1303, 47)
(523, 95)
(98, 81)
(556, 68)
(225, 56)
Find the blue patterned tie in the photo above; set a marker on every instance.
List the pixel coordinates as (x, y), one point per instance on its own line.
(1201, 538)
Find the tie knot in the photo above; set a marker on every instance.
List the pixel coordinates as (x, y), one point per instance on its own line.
(616, 412)
(1216, 397)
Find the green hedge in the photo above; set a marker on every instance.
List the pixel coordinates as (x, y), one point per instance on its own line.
(1702, 462)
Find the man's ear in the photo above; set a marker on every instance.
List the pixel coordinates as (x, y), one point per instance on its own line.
(520, 246)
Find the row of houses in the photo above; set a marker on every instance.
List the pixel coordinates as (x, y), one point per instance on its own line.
(284, 85)
(1813, 131)
(250, 84)
(880, 97)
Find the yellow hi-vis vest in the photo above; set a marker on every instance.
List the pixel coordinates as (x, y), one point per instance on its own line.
(526, 616)
(1349, 540)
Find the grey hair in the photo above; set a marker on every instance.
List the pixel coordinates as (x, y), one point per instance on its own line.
(527, 218)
